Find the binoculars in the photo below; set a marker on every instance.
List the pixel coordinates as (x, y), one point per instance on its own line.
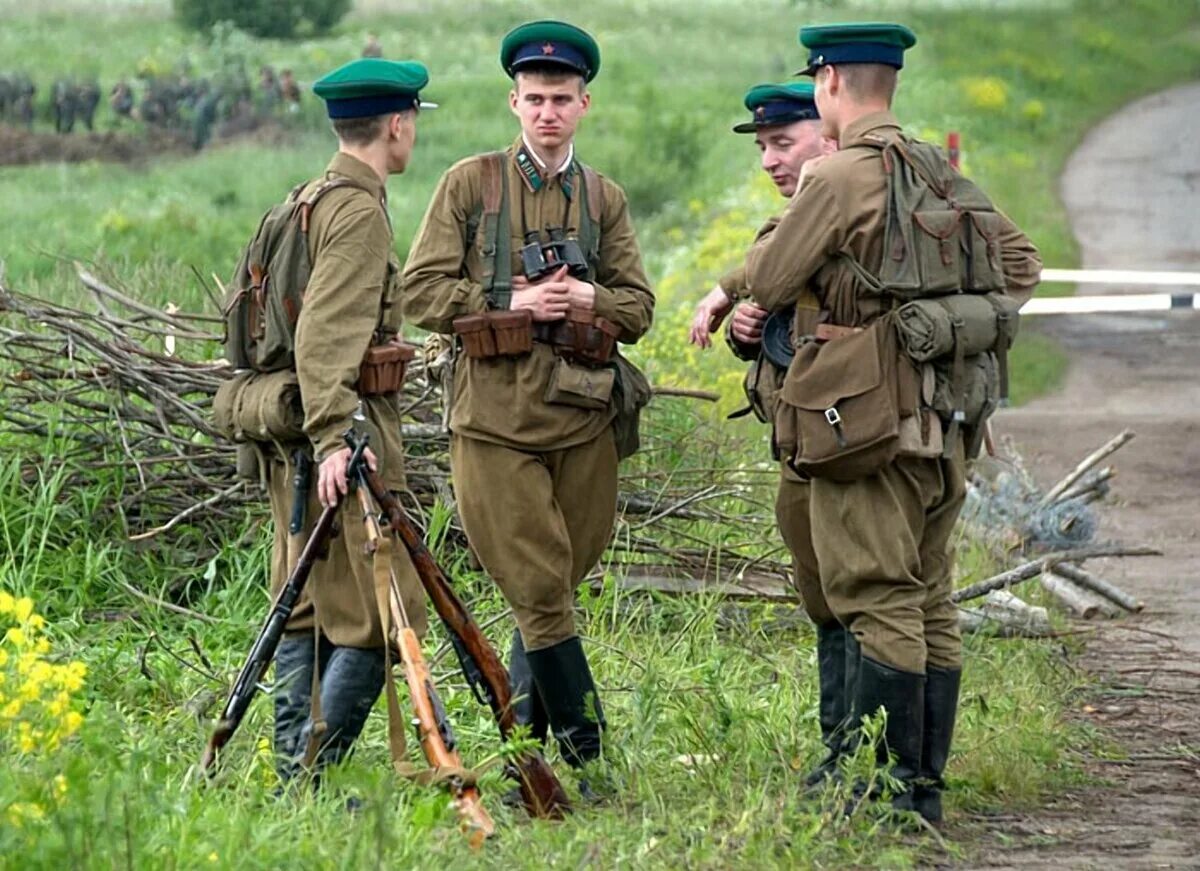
(539, 259)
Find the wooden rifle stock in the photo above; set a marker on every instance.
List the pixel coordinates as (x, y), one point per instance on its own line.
(433, 727)
(541, 791)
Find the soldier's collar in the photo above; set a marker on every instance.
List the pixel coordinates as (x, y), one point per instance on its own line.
(534, 172)
(871, 123)
(352, 168)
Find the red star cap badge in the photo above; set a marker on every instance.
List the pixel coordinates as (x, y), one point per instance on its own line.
(548, 48)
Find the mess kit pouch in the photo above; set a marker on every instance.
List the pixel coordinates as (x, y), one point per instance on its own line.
(838, 413)
(580, 386)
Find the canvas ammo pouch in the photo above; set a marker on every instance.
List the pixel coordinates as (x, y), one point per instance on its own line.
(580, 386)
(383, 367)
(581, 337)
(838, 412)
(262, 407)
(495, 334)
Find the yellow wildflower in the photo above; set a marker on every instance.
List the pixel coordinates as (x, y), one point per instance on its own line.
(7, 602)
(3, 657)
(987, 92)
(15, 636)
(60, 786)
(41, 646)
(1034, 110)
(37, 621)
(71, 722)
(12, 710)
(23, 608)
(20, 812)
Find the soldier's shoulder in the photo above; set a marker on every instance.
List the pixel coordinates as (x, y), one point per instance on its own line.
(610, 190)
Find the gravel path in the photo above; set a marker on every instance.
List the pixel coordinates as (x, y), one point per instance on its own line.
(1133, 194)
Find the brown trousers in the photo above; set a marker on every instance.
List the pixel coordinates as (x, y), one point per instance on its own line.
(341, 585)
(792, 515)
(883, 552)
(538, 521)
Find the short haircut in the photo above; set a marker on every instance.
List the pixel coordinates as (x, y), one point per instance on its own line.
(360, 131)
(869, 81)
(552, 73)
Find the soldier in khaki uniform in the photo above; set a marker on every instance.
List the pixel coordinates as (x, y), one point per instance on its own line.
(535, 468)
(881, 543)
(787, 131)
(350, 304)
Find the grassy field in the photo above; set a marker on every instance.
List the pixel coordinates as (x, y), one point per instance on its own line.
(711, 702)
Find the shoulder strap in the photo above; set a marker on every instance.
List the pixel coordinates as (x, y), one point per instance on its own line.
(497, 236)
(592, 215)
(305, 205)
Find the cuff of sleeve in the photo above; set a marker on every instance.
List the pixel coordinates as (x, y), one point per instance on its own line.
(605, 303)
(741, 350)
(331, 439)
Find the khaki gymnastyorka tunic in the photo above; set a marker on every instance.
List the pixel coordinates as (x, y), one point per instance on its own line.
(535, 481)
(348, 304)
(881, 543)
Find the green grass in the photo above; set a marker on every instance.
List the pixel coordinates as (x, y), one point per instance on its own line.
(730, 683)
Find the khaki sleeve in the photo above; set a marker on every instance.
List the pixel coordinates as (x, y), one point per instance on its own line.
(786, 256)
(733, 283)
(340, 313)
(1021, 261)
(436, 288)
(623, 293)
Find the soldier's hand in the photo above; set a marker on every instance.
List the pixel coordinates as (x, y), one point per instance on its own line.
(747, 324)
(548, 299)
(710, 313)
(331, 478)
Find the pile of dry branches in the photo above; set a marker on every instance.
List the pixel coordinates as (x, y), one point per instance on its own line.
(124, 389)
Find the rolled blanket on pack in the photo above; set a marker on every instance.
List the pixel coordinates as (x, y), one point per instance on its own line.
(255, 406)
(928, 327)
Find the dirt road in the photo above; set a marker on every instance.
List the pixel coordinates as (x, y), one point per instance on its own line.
(1133, 193)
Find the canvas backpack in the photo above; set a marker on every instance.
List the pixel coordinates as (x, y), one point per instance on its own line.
(263, 300)
(942, 261)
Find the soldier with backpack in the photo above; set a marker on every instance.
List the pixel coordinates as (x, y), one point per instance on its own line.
(313, 319)
(919, 278)
(528, 258)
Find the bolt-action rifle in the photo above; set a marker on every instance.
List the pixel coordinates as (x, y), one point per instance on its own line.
(265, 645)
(430, 720)
(541, 792)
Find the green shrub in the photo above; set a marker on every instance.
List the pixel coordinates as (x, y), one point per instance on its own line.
(278, 19)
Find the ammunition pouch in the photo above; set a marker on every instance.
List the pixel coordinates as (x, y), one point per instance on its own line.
(838, 413)
(777, 344)
(495, 334)
(383, 368)
(263, 407)
(581, 337)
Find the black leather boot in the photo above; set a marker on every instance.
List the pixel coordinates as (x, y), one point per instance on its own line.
(527, 705)
(941, 707)
(832, 710)
(295, 660)
(902, 694)
(564, 680)
(350, 684)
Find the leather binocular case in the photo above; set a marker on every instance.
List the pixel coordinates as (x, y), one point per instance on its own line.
(581, 337)
(495, 334)
(383, 367)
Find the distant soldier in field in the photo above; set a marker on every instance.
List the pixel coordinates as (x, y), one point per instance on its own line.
(533, 418)
(372, 48)
(883, 434)
(787, 131)
(63, 105)
(8, 96)
(120, 100)
(270, 95)
(87, 98)
(289, 90)
(26, 90)
(207, 109)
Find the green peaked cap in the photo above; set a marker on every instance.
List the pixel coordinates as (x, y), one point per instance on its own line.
(775, 105)
(373, 86)
(550, 42)
(873, 42)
